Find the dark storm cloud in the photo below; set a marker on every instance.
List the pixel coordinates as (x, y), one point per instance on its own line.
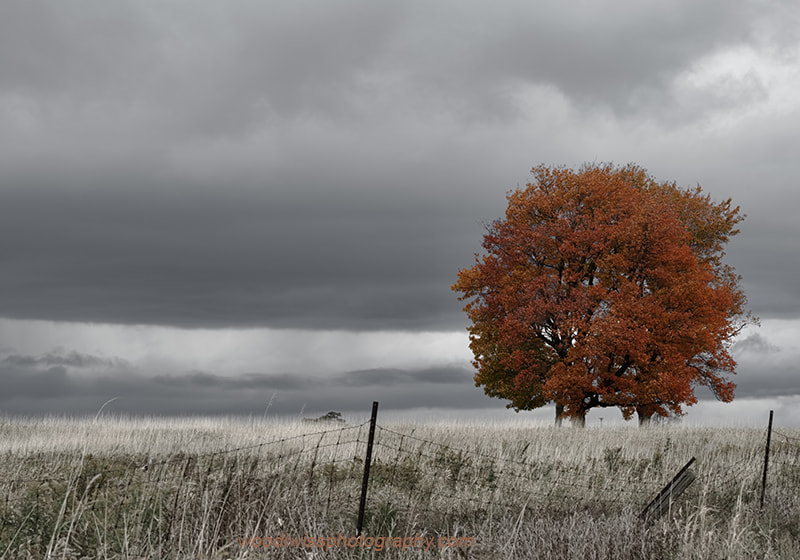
(766, 258)
(210, 259)
(325, 166)
(769, 383)
(40, 385)
(775, 377)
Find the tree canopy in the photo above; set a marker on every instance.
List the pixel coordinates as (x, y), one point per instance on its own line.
(603, 287)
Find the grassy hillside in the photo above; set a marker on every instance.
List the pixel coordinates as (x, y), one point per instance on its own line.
(234, 488)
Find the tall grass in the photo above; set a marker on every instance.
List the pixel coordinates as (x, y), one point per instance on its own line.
(125, 488)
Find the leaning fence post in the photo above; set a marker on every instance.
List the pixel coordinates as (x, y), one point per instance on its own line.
(766, 460)
(367, 461)
(675, 488)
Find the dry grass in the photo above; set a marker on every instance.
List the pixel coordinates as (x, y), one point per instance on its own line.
(121, 488)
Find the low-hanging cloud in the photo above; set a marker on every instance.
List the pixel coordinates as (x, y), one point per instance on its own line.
(31, 385)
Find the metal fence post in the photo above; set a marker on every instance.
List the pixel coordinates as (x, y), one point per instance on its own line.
(671, 491)
(766, 460)
(367, 461)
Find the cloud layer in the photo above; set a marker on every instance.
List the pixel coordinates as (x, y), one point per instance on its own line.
(236, 168)
(313, 166)
(80, 384)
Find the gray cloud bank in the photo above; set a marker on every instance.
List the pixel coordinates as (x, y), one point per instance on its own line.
(289, 164)
(210, 259)
(80, 384)
(68, 382)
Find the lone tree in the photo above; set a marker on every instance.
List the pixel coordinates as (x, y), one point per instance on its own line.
(605, 288)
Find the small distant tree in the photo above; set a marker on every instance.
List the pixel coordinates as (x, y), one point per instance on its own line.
(605, 288)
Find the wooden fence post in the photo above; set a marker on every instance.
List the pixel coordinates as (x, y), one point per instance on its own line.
(766, 460)
(367, 461)
(661, 503)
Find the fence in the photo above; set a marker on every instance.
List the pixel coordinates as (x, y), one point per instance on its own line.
(781, 462)
(481, 474)
(355, 476)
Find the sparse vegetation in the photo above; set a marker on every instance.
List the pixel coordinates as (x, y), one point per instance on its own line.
(205, 488)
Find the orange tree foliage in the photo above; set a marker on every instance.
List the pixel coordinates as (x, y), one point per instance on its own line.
(604, 288)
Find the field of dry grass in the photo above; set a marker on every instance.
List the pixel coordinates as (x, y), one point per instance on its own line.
(218, 488)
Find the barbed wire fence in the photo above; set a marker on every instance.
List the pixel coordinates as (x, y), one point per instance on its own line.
(420, 476)
(781, 465)
(412, 479)
(142, 500)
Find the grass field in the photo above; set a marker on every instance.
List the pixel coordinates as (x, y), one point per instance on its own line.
(219, 488)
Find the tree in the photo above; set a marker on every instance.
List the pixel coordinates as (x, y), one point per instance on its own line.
(605, 288)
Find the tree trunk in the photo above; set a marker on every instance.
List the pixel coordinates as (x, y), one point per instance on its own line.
(644, 417)
(580, 420)
(559, 415)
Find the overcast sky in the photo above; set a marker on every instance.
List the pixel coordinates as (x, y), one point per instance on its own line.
(250, 206)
